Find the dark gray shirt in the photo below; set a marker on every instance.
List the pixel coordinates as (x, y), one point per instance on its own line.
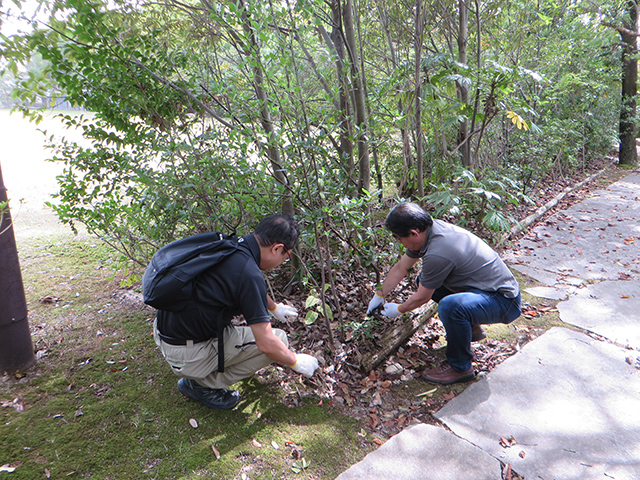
(458, 260)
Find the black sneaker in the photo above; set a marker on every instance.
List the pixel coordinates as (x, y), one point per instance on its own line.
(216, 398)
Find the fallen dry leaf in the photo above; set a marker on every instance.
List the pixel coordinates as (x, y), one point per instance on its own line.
(256, 443)
(50, 299)
(428, 392)
(507, 442)
(215, 452)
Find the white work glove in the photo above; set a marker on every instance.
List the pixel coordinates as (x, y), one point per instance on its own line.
(375, 302)
(282, 311)
(390, 310)
(305, 364)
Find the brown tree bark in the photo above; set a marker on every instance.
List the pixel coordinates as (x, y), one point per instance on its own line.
(463, 88)
(362, 142)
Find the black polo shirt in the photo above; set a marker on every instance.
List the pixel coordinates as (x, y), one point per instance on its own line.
(236, 286)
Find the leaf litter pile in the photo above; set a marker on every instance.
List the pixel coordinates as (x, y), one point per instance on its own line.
(382, 398)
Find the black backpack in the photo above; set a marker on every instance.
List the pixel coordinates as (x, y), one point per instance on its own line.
(168, 282)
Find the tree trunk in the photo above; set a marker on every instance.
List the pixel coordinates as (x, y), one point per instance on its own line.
(16, 348)
(371, 119)
(265, 115)
(418, 32)
(473, 160)
(628, 127)
(463, 88)
(364, 175)
(335, 42)
(346, 145)
(404, 187)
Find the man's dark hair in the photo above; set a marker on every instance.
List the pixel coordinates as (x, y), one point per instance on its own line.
(277, 228)
(405, 217)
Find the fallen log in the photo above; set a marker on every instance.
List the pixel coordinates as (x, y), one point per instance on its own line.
(395, 337)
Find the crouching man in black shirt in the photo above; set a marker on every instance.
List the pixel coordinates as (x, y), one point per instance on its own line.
(189, 340)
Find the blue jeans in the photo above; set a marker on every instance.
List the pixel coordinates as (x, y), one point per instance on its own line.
(459, 311)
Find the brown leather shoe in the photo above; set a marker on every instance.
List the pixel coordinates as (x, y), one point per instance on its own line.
(446, 375)
(477, 333)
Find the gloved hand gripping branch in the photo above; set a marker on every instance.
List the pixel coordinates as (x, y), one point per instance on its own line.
(389, 310)
(375, 302)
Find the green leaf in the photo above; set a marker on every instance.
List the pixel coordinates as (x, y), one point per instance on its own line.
(310, 317)
(329, 313)
(311, 301)
(300, 465)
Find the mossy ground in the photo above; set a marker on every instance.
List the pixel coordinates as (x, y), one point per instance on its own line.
(101, 403)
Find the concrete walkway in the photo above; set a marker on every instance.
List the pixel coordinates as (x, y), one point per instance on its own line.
(567, 406)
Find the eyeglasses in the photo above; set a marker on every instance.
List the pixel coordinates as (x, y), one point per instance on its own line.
(287, 253)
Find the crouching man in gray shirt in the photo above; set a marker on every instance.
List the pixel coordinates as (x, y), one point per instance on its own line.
(464, 275)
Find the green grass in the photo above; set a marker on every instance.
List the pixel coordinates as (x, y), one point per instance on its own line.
(101, 402)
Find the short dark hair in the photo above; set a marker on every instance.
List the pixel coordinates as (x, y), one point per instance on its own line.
(277, 228)
(405, 217)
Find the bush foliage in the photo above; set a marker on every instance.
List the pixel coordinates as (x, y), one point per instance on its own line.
(210, 116)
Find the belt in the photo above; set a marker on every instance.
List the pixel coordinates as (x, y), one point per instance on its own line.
(178, 341)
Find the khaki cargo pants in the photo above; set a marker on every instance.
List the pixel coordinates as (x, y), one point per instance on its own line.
(199, 361)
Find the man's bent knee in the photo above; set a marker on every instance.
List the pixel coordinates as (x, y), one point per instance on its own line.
(282, 335)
